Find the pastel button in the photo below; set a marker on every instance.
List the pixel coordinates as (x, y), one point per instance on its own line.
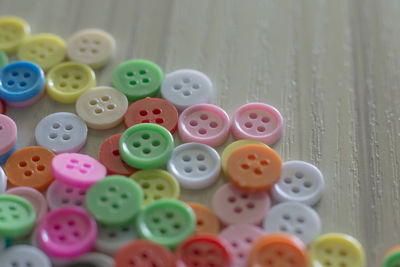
(194, 165)
(59, 195)
(4, 157)
(186, 87)
(391, 258)
(3, 180)
(137, 79)
(258, 121)
(27, 102)
(3, 59)
(8, 134)
(13, 31)
(24, 255)
(207, 221)
(92, 259)
(113, 238)
(102, 107)
(67, 81)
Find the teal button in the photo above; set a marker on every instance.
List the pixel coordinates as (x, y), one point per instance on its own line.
(3, 59)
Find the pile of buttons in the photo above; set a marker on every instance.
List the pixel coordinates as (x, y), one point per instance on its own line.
(62, 208)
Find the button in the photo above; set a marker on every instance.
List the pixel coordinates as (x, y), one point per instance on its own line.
(166, 221)
(300, 181)
(112, 238)
(91, 259)
(31, 167)
(195, 165)
(3, 181)
(337, 250)
(392, 258)
(77, 169)
(3, 59)
(23, 255)
(4, 157)
(156, 184)
(152, 110)
(2, 107)
(258, 121)
(144, 253)
(67, 81)
(137, 79)
(234, 206)
(295, 219)
(207, 222)
(46, 50)
(102, 107)
(146, 146)
(27, 102)
(67, 232)
(13, 31)
(59, 195)
(8, 134)
(17, 216)
(186, 87)
(254, 168)
(204, 123)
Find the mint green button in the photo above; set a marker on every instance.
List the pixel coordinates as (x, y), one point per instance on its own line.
(138, 79)
(17, 216)
(167, 222)
(114, 200)
(392, 260)
(3, 59)
(146, 146)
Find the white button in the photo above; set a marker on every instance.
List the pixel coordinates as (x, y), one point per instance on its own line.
(195, 165)
(24, 256)
(61, 132)
(300, 181)
(111, 239)
(59, 195)
(102, 107)
(3, 181)
(93, 47)
(186, 87)
(92, 259)
(293, 218)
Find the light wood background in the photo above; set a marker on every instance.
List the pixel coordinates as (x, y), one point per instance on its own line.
(330, 67)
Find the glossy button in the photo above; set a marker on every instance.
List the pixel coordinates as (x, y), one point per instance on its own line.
(3, 59)
(194, 165)
(102, 107)
(24, 256)
(91, 259)
(4, 157)
(392, 258)
(207, 221)
(8, 134)
(137, 79)
(13, 31)
(59, 195)
(112, 238)
(3, 180)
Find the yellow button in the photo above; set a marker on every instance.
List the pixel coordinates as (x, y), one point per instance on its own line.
(13, 32)
(67, 81)
(337, 250)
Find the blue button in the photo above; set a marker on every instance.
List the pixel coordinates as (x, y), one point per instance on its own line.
(4, 157)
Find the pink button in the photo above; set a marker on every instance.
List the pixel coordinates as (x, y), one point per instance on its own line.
(60, 195)
(234, 206)
(258, 121)
(77, 169)
(204, 123)
(67, 232)
(8, 134)
(240, 238)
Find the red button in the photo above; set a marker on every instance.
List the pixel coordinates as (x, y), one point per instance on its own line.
(2, 107)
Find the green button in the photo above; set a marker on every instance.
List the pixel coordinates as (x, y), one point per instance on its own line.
(114, 200)
(146, 146)
(392, 260)
(138, 79)
(3, 59)
(17, 216)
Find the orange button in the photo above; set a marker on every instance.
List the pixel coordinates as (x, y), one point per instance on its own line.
(30, 166)
(207, 222)
(278, 250)
(254, 168)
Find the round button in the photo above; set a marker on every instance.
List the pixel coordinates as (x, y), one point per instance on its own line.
(295, 219)
(137, 79)
(337, 250)
(102, 107)
(61, 132)
(23, 255)
(166, 221)
(156, 184)
(2, 107)
(92, 259)
(234, 206)
(27, 102)
(4, 157)
(258, 121)
(3, 181)
(392, 258)
(46, 50)
(204, 123)
(254, 168)
(31, 167)
(3, 59)
(300, 181)
(8, 134)
(93, 47)
(146, 146)
(13, 31)
(67, 232)
(67, 81)
(186, 87)
(194, 165)
(152, 110)
(59, 195)
(112, 238)
(207, 222)
(77, 169)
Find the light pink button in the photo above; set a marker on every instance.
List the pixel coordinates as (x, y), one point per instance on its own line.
(241, 238)
(258, 121)
(204, 123)
(77, 169)
(60, 195)
(234, 206)
(8, 134)
(67, 232)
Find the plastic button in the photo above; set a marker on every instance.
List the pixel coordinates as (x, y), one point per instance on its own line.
(152, 110)
(59, 195)
(137, 79)
(27, 102)
(3, 180)
(92, 259)
(3, 59)
(4, 157)
(392, 258)
(67, 81)
(195, 165)
(23, 255)
(207, 222)
(146, 146)
(102, 107)
(93, 47)
(254, 168)
(67, 232)
(112, 238)
(8, 134)
(234, 206)
(13, 31)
